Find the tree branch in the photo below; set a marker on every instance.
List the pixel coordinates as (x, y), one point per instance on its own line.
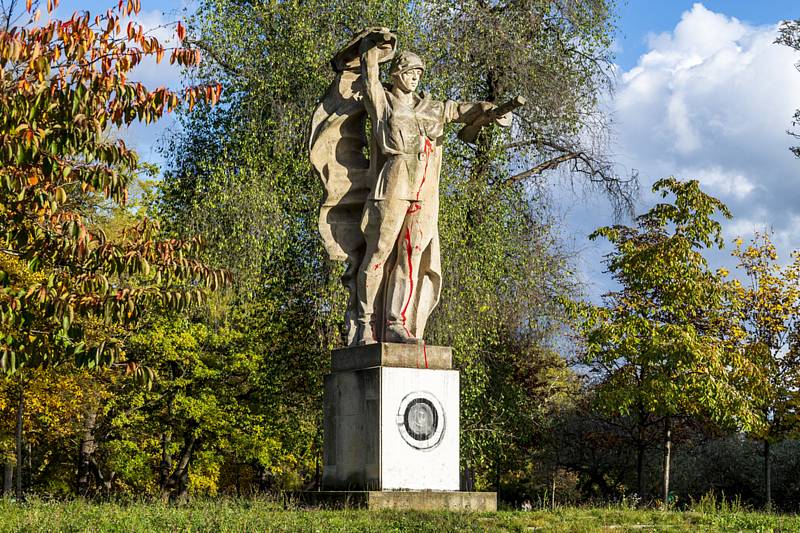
(231, 69)
(547, 165)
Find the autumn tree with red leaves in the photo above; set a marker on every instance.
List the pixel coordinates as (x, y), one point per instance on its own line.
(64, 86)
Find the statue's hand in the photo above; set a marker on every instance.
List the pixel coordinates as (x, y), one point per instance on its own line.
(380, 38)
(502, 120)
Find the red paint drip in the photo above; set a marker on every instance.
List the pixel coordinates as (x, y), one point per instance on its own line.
(427, 149)
(425, 353)
(410, 279)
(377, 266)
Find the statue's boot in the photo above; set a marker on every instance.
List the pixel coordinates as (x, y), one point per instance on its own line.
(364, 334)
(396, 332)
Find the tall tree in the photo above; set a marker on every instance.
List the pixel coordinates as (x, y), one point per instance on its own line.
(242, 179)
(769, 303)
(665, 343)
(66, 289)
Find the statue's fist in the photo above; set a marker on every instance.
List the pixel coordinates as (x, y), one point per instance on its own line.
(380, 38)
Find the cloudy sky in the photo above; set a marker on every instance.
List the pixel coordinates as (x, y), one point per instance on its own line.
(702, 92)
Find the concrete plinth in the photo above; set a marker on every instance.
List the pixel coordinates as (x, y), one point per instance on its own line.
(407, 500)
(374, 434)
(391, 431)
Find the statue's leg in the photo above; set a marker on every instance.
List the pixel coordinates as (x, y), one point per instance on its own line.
(381, 225)
(402, 283)
(350, 281)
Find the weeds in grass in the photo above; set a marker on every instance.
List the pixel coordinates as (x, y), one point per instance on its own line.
(711, 503)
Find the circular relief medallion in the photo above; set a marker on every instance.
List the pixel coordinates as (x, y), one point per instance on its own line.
(421, 420)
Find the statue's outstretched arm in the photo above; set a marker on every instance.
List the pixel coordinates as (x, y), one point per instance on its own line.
(479, 114)
(465, 112)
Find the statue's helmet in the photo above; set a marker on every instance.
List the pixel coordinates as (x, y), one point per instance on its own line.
(404, 62)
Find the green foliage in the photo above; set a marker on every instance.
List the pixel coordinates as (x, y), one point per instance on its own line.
(665, 343)
(62, 84)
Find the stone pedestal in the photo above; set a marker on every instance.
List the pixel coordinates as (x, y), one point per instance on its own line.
(390, 425)
(392, 430)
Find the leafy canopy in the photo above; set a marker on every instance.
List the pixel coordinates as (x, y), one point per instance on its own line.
(63, 86)
(664, 344)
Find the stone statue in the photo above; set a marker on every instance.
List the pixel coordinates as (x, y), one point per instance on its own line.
(380, 215)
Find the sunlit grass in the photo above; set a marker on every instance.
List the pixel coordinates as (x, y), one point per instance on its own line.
(227, 514)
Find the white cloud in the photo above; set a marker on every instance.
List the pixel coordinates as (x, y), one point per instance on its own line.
(712, 100)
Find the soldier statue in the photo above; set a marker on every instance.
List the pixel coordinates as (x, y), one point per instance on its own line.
(380, 215)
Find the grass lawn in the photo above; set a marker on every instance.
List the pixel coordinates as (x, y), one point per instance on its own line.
(264, 515)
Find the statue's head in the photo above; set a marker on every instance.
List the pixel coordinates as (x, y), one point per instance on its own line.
(406, 71)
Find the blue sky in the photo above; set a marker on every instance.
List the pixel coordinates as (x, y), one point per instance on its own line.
(640, 18)
(701, 92)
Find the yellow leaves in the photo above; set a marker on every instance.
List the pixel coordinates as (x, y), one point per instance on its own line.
(180, 31)
(18, 272)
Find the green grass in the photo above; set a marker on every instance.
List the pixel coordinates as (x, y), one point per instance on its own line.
(265, 515)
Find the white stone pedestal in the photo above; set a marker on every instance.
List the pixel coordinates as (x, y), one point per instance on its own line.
(390, 422)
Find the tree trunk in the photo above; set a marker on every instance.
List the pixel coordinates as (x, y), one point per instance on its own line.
(640, 470)
(263, 477)
(767, 476)
(176, 486)
(86, 453)
(166, 461)
(8, 477)
(667, 458)
(29, 463)
(166, 456)
(182, 494)
(20, 413)
(640, 450)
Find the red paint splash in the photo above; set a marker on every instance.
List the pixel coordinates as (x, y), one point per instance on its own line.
(427, 149)
(377, 266)
(425, 353)
(410, 279)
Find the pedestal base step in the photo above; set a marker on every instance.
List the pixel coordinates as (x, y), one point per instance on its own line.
(409, 500)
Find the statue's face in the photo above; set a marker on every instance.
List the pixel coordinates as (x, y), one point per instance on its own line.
(407, 81)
